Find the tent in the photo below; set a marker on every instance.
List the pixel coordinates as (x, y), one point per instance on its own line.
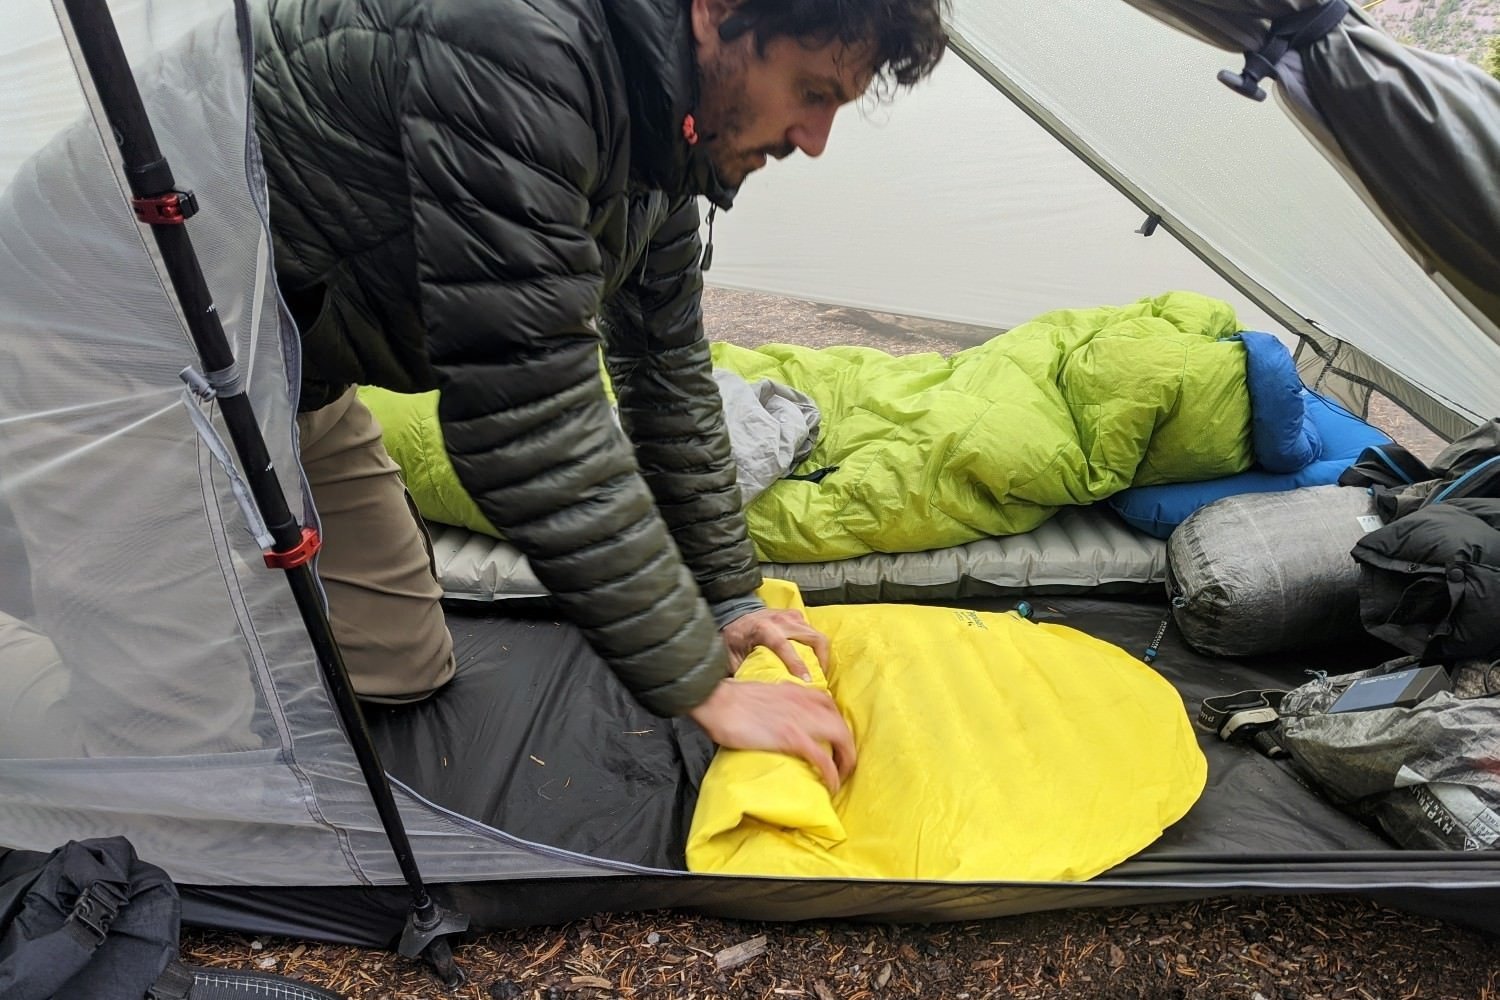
(198, 719)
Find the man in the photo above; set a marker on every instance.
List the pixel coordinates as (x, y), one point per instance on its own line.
(458, 189)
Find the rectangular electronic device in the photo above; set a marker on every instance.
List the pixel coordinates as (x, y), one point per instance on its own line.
(1401, 689)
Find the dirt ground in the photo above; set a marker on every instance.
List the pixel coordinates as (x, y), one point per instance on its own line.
(1318, 948)
(1270, 948)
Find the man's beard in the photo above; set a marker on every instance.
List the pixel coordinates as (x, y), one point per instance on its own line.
(722, 118)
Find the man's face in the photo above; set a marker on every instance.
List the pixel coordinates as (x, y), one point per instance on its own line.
(755, 107)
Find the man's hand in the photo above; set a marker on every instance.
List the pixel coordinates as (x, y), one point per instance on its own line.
(785, 718)
(775, 629)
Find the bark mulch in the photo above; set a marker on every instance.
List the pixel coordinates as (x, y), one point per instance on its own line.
(1267, 948)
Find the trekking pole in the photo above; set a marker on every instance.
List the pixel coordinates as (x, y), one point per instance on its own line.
(159, 204)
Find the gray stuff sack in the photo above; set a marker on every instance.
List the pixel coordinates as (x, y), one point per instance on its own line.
(1424, 775)
(1269, 572)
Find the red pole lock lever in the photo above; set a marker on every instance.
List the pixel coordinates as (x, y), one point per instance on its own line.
(301, 553)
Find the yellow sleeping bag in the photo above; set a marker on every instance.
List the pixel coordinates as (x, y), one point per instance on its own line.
(990, 748)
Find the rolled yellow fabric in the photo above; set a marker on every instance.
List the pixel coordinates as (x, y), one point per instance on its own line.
(990, 748)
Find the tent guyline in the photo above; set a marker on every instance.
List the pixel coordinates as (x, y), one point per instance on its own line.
(159, 204)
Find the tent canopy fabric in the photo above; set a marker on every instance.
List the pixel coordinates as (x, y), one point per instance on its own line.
(1417, 130)
(1034, 203)
(161, 685)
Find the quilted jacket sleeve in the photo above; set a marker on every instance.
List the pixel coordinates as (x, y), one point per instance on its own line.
(660, 366)
(503, 156)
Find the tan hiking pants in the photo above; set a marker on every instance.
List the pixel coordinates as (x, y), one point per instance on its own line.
(376, 562)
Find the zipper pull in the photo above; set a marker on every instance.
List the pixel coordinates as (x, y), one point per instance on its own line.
(708, 250)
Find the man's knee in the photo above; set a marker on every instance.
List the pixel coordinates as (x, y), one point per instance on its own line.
(376, 564)
(36, 718)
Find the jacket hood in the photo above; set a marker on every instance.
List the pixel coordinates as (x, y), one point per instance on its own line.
(654, 40)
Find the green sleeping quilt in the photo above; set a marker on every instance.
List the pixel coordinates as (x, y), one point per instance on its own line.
(927, 452)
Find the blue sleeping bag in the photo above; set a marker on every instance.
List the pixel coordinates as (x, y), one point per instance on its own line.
(1300, 439)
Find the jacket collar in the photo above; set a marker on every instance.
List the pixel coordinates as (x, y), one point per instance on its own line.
(654, 40)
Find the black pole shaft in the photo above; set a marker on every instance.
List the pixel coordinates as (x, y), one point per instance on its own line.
(149, 176)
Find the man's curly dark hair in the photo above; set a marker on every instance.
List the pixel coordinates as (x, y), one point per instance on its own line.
(906, 37)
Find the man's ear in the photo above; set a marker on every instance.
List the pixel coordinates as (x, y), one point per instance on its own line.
(708, 17)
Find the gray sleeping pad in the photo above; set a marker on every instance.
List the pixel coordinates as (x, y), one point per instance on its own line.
(1268, 572)
(1081, 549)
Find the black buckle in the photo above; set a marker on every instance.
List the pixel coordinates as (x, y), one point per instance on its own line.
(95, 910)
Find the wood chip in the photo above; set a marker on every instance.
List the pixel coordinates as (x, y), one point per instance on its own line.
(738, 954)
(594, 982)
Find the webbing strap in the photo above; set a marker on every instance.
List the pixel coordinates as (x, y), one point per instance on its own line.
(1217, 711)
(816, 476)
(226, 381)
(1250, 716)
(237, 485)
(174, 983)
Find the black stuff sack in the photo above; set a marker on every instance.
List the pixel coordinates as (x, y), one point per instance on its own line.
(91, 921)
(88, 920)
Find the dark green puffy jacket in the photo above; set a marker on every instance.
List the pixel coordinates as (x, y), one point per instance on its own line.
(457, 188)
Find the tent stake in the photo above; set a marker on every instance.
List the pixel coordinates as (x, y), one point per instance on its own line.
(165, 209)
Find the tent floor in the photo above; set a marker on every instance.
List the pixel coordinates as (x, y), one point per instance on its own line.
(536, 738)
